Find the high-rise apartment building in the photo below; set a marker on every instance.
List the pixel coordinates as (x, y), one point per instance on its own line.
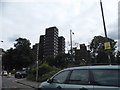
(51, 42)
(41, 47)
(61, 44)
(34, 49)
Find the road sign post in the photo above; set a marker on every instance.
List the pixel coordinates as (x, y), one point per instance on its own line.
(107, 47)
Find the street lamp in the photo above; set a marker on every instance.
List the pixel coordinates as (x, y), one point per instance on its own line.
(71, 44)
(1, 53)
(37, 62)
(71, 40)
(1, 67)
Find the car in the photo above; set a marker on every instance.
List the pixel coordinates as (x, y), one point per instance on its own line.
(4, 73)
(100, 77)
(20, 74)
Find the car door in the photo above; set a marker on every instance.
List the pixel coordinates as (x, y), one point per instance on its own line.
(58, 81)
(78, 80)
(106, 79)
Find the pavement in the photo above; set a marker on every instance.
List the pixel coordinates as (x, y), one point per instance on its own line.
(9, 83)
(28, 83)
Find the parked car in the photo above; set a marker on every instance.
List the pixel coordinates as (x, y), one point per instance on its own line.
(4, 73)
(20, 74)
(103, 77)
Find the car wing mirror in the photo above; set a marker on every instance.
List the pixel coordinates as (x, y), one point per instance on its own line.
(50, 80)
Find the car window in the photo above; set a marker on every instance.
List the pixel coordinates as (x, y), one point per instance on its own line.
(106, 77)
(79, 77)
(61, 77)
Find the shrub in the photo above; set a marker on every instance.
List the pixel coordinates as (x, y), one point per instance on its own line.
(44, 68)
(46, 76)
(31, 77)
(45, 72)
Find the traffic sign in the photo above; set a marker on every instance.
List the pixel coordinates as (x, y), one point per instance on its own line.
(107, 45)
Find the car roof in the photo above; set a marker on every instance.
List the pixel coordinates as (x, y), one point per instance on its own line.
(95, 67)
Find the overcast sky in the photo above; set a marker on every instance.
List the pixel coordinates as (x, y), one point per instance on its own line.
(29, 19)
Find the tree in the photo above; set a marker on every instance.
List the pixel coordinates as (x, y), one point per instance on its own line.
(19, 57)
(98, 50)
(50, 60)
(118, 57)
(60, 61)
(7, 60)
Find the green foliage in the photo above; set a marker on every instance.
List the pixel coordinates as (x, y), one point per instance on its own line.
(102, 58)
(31, 77)
(98, 50)
(44, 68)
(45, 72)
(97, 44)
(118, 57)
(60, 61)
(22, 43)
(19, 57)
(50, 60)
(7, 60)
(46, 76)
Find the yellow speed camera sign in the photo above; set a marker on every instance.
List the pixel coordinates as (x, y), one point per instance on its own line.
(107, 45)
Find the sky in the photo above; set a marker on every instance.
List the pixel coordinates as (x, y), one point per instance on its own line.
(29, 19)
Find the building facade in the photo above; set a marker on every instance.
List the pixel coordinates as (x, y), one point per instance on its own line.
(41, 47)
(61, 44)
(51, 42)
(34, 50)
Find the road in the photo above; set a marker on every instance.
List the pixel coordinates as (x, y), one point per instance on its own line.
(10, 83)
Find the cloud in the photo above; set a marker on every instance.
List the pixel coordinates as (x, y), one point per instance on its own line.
(13, 38)
(29, 19)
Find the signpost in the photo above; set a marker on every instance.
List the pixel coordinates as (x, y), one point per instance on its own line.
(107, 46)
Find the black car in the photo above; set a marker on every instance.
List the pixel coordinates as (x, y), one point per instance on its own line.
(21, 74)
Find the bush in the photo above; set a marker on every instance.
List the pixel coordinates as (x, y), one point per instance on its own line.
(45, 72)
(44, 68)
(46, 76)
(31, 77)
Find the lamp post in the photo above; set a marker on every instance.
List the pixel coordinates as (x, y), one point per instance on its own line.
(37, 62)
(71, 44)
(71, 41)
(1, 54)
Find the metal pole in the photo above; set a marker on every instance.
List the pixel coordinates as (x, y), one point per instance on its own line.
(37, 62)
(103, 19)
(1, 68)
(71, 40)
(105, 29)
(71, 58)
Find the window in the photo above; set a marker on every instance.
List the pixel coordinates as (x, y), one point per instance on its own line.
(61, 77)
(106, 77)
(79, 77)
